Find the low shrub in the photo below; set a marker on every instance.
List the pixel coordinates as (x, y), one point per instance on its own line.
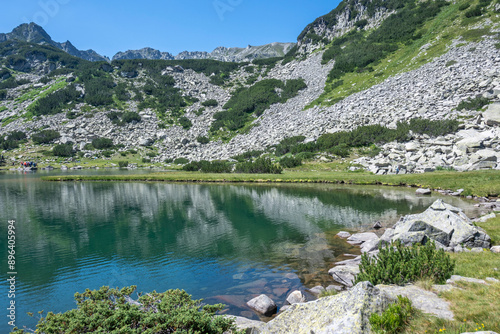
(102, 143)
(210, 103)
(473, 104)
(146, 160)
(397, 264)
(107, 153)
(181, 161)
(247, 155)
(394, 319)
(259, 166)
(63, 150)
(216, 166)
(3, 94)
(185, 123)
(108, 311)
(203, 140)
(45, 136)
(290, 162)
(123, 163)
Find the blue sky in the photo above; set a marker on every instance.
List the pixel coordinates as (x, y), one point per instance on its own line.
(109, 26)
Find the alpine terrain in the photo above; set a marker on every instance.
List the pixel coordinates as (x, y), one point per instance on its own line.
(395, 86)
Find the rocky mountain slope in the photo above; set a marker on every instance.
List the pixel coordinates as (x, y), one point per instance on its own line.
(221, 53)
(441, 68)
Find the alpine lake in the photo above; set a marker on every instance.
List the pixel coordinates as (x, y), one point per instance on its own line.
(224, 243)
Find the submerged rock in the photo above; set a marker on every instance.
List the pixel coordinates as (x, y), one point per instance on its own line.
(347, 312)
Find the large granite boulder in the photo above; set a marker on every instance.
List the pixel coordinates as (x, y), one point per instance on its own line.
(348, 313)
(444, 224)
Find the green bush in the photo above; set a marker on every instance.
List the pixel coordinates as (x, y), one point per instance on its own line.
(397, 264)
(473, 104)
(185, 123)
(131, 116)
(210, 103)
(123, 163)
(108, 311)
(181, 161)
(56, 102)
(146, 160)
(45, 136)
(285, 145)
(63, 150)
(247, 155)
(394, 319)
(107, 153)
(474, 12)
(216, 166)
(102, 143)
(259, 166)
(3, 94)
(464, 6)
(16, 135)
(202, 140)
(290, 162)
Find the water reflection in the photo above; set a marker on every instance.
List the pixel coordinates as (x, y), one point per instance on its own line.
(220, 242)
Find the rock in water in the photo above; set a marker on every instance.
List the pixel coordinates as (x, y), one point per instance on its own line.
(347, 313)
(296, 297)
(264, 305)
(446, 225)
(422, 191)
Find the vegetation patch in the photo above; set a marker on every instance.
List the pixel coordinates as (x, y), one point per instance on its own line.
(394, 319)
(45, 136)
(397, 264)
(108, 311)
(254, 100)
(473, 104)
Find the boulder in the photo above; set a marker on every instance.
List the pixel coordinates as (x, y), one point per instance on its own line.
(317, 290)
(444, 224)
(377, 225)
(423, 300)
(360, 238)
(495, 249)
(344, 275)
(492, 114)
(248, 325)
(348, 312)
(263, 304)
(423, 191)
(296, 297)
(343, 234)
(146, 141)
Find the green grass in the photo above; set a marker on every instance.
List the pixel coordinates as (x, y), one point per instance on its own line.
(2, 108)
(41, 91)
(475, 306)
(477, 183)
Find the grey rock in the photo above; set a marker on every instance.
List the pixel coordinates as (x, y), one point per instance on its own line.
(481, 332)
(423, 191)
(457, 278)
(248, 325)
(362, 237)
(492, 280)
(263, 304)
(343, 234)
(377, 225)
(495, 249)
(370, 245)
(492, 114)
(424, 300)
(296, 297)
(317, 290)
(344, 313)
(344, 275)
(446, 225)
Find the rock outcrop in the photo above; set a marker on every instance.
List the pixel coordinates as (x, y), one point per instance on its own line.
(348, 312)
(444, 224)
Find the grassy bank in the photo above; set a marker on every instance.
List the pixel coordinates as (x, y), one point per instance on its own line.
(475, 305)
(476, 183)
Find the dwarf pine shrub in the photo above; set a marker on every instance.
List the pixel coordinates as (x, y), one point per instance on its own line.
(394, 318)
(109, 311)
(397, 264)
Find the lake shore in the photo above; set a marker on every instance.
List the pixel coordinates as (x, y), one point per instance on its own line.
(484, 183)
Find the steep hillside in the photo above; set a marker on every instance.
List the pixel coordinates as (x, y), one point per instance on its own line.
(398, 85)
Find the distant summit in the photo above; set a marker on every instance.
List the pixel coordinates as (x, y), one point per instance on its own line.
(220, 53)
(33, 33)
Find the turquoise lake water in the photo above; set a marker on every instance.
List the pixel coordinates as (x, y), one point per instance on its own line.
(223, 243)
